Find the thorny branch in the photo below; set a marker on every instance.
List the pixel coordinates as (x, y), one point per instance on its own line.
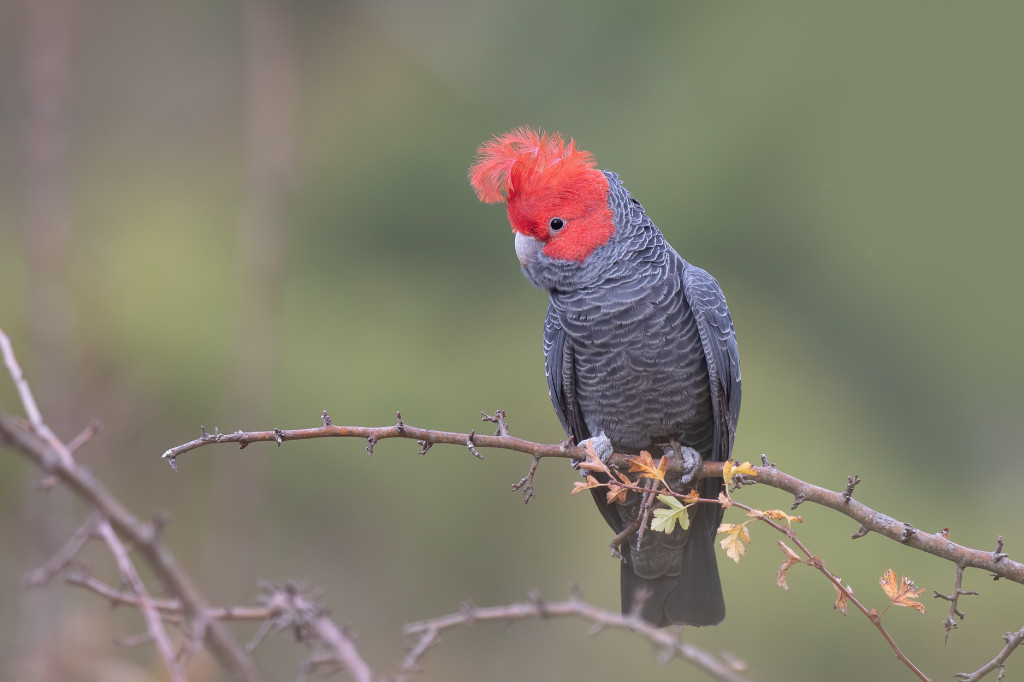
(425, 634)
(37, 442)
(937, 544)
(292, 608)
(954, 599)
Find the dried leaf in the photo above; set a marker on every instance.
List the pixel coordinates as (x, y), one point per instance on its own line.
(691, 497)
(579, 486)
(840, 597)
(616, 493)
(735, 536)
(644, 464)
(901, 592)
(665, 518)
(730, 470)
(593, 462)
(779, 515)
(791, 560)
(724, 500)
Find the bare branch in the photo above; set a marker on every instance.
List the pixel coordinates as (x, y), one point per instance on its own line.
(154, 626)
(37, 443)
(1013, 640)
(64, 556)
(526, 482)
(426, 633)
(170, 609)
(870, 520)
(293, 608)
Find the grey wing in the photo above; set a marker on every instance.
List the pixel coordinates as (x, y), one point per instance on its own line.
(559, 366)
(718, 337)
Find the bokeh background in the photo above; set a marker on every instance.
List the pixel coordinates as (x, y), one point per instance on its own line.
(240, 214)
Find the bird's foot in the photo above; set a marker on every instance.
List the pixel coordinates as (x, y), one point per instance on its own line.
(688, 458)
(601, 444)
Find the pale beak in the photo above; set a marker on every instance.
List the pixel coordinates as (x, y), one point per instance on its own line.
(527, 248)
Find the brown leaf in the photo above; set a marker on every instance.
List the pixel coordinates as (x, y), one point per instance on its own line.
(593, 462)
(691, 496)
(579, 486)
(840, 597)
(791, 560)
(616, 493)
(644, 464)
(902, 592)
(724, 500)
(779, 515)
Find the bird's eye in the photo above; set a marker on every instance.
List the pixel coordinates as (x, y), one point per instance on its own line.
(557, 224)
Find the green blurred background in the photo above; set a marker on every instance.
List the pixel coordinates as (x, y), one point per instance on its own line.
(240, 214)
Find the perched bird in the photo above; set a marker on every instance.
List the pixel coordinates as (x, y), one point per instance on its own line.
(639, 347)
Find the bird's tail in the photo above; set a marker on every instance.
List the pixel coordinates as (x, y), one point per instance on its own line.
(694, 597)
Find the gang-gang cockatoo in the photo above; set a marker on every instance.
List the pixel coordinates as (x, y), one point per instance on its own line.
(640, 351)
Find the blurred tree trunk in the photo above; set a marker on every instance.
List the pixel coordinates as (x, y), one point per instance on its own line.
(47, 82)
(269, 153)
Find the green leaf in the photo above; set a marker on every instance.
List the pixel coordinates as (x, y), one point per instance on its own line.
(665, 518)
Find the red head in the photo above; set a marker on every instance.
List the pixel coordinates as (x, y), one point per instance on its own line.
(554, 192)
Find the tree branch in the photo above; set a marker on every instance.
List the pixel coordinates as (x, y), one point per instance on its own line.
(37, 443)
(1013, 640)
(154, 626)
(843, 502)
(426, 633)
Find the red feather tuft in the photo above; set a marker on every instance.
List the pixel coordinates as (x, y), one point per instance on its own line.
(523, 160)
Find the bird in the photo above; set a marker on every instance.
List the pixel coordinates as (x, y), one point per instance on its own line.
(640, 352)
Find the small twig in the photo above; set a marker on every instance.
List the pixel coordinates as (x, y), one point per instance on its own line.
(326, 418)
(64, 556)
(91, 429)
(851, 483)
(953, 598)
(1013, 640)
(170, 609)
(469, 444)
(18, 377)
(426, 633)
(128, 641)
(499, 419)
(620, 537)
(999, 554)
(644, 513)
(526, 482)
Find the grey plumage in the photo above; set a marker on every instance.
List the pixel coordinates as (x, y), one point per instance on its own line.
(639, 346)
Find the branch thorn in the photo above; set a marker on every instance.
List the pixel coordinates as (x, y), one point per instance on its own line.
(469, 444)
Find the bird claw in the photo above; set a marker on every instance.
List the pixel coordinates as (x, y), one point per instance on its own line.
(689, 459)
(602, 448)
